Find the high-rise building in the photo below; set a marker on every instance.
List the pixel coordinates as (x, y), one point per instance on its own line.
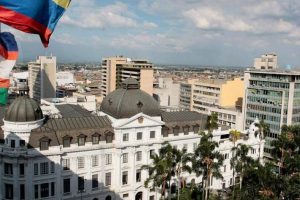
(266, 61)
(42, 78)
(116, 69)
(272, 96)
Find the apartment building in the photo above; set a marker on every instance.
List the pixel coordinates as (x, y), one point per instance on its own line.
(42, 78)
(266, 61)
(117, 69)
(214, 95)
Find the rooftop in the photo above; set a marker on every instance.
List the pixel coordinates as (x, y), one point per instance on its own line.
(70, 111)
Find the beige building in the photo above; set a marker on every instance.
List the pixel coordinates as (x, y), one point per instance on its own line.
(42, 78)
(214, 95)
(116, 69)
(266, 61)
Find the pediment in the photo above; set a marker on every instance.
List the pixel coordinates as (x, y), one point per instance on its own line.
(139, 120)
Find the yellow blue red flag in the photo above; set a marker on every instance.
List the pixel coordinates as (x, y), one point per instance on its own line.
(33, 16)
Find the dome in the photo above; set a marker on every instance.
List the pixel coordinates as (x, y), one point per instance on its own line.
(129, 101)
(23, 109)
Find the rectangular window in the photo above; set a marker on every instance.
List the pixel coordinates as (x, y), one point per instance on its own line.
(66, 164)
(80, 162)
(185, 146)
(125, 178)
(67, 185)
(80, 183)
(52, 167)
(44, 168)
(8, 169)
(138, 176)
(22, 191)
(125, 157)
(44, 145)
(125, 137)
(21, 169)
(81, 141)
(66, 142)
(108, 179)
(152, 152)
(95, 139)
(52, 189)
(9, 191)
(139, 156)
(195, 145)
(36, 169)
(13, 143)
(95, 161)
(151, 197)
(22, 143)
(152, 134)
(139, 135)
(108, 159)
(224, 168)
(36, 191)
(44, 190)
(95, 181)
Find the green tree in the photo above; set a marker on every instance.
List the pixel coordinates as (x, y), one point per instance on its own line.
(263, 130)
(207, 161)
(234, 136)
(212, 122)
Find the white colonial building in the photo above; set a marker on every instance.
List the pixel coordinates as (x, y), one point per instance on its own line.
(81, 156)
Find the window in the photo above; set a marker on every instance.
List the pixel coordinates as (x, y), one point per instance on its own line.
(67, 185)
(185, 146)
(13, 143)
(80, 183)
(8, 169)
(196, 128)
(22, 191)
(95, 161)
(9, 191)
(52, 167)
(44, 190)
(36, 169)
(138, 156)
(95, 138)
(186, 130)
(108, 179)
(152, 134)
(224, 168)
(21, 169)
(125, 137)
(139, 135)
(36, 191)
(176, 130)
(52, 189)
(125, 178)
(108, 159)
(125, 195)
(66, 141)
(66, 164)
(108, 197)
(151, 197)
(80, 162)
(95, 181)
(109, 138)
(22, 143)
(44, 145)
(81, 140)
(152, 152)
(138, 176)
(44, 168)
(125, 157)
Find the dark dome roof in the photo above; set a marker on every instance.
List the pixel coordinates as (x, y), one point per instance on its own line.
(129, 101)
(23, 109)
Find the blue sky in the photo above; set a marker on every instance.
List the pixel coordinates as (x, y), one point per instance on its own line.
(198, 32)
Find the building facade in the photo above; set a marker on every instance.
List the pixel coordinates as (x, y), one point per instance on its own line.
(117, 69)
(266, 61)
(100, 157)
(272, 96)
(42, 78)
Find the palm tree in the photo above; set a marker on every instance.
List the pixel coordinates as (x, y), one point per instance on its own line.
(212, 122)
(207, 161)
(241, 160)
(263, 130)
(235, 136)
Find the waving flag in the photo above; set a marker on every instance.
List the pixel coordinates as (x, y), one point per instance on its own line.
(8, 58)
(33, 16)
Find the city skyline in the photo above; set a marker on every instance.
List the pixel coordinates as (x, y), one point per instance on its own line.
(184, 32)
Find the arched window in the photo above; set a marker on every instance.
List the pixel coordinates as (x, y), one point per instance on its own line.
(196, 128)
(109, 137)
(186, 129)
(95, 138)
(173, 188)
(176, 130)
(108, 197)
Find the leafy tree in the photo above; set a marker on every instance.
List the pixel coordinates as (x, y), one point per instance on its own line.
(207, 161)
(212, 122)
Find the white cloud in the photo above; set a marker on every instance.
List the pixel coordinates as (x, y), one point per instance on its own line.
(149, 25)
